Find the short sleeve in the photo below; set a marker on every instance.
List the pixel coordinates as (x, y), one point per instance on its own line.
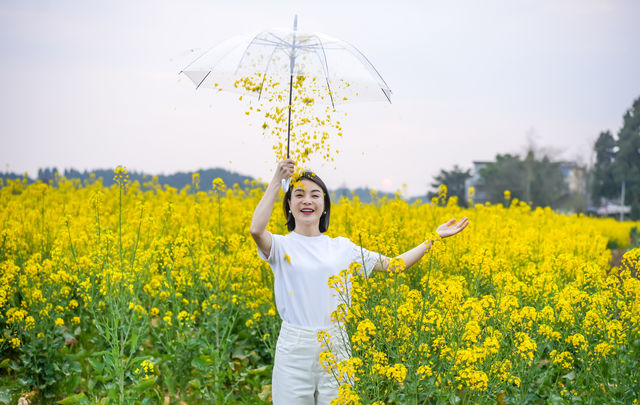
(273, 253)
(366, 258)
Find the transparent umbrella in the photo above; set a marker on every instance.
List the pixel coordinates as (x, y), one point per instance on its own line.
(272, 62)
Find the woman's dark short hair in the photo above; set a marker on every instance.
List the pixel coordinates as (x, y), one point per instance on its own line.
(324, 218)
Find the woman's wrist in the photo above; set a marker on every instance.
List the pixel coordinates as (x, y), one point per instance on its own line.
(432, 238)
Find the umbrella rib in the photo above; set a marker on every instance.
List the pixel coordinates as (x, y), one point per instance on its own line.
(197, 59)
(267, 42)
(278, 41)
(203, 79)
(253, 40)
(374, 69)
(264, 75)
(326, 70)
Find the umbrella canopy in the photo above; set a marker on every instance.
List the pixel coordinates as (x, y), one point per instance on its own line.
(290, 67)
(336, 70)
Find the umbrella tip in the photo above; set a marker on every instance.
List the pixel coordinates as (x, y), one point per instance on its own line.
(295, 22)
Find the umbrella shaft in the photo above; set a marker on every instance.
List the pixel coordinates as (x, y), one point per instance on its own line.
(289, 121)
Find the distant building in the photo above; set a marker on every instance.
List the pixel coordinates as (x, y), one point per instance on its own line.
(476, 182)
(575, 176)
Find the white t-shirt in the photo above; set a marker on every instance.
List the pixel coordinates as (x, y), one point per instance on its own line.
(301, 288)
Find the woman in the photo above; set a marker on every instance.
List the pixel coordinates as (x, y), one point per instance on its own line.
(302, 262)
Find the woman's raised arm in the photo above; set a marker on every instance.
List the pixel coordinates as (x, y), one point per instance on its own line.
(263, 211)
(412, 256)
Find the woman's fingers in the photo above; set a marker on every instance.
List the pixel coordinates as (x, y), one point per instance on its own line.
(287, 163)
(450, 227)
(463, 222)
(286, 168)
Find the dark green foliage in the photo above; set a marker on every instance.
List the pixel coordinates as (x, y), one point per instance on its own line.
(454, 180)
(618, 161)
(538, 181)
(603, 183)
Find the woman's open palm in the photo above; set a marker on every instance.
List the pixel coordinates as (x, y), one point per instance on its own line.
(450, 227)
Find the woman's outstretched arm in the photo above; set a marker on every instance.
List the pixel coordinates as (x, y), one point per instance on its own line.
(411, 257)
(263, 211)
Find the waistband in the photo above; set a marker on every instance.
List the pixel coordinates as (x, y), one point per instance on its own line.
(305, 332)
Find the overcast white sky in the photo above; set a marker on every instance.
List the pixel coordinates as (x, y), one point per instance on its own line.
(93, 84)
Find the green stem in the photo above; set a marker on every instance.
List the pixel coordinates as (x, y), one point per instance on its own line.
(120, 225)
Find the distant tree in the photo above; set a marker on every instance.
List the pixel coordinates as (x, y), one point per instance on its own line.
(508, 172)
(603, 183)
(454, 180)
(547, 184)
(535, 180)
(626, 166)
(47, 174)
(618, 161)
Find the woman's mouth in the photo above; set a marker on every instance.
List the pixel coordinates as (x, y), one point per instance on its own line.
(307, 211)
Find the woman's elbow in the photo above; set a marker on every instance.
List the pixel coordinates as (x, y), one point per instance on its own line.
(256, 232)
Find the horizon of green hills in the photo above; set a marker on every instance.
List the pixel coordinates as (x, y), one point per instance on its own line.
(177, 180)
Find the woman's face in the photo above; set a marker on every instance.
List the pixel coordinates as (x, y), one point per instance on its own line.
(307, 203)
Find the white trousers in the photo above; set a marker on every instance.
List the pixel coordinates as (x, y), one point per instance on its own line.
(297, 376)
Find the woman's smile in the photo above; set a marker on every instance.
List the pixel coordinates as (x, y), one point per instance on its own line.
(307, 204)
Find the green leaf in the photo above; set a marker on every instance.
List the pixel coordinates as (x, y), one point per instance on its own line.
(201, 362)
(139, 359)
(98, 354)
(145, 384)
(96, 364)
(195, 383)
(82, 354)
(74, 399)
(5, 396)
(4, 363)
(257, 370)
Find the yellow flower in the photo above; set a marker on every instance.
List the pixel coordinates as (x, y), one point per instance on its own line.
(471, 192)
(14, 342)
(397, 372)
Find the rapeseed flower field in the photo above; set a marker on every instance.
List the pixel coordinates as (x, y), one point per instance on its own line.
(139, 293)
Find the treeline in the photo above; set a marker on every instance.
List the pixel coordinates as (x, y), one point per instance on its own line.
(176, 180)
(541, 180)
(535, 178)
(52, 175)
(616, 173)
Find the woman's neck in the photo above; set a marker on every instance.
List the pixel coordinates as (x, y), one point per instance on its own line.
(311, 230)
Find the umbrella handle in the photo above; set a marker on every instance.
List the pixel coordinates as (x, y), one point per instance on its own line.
(285, 185)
